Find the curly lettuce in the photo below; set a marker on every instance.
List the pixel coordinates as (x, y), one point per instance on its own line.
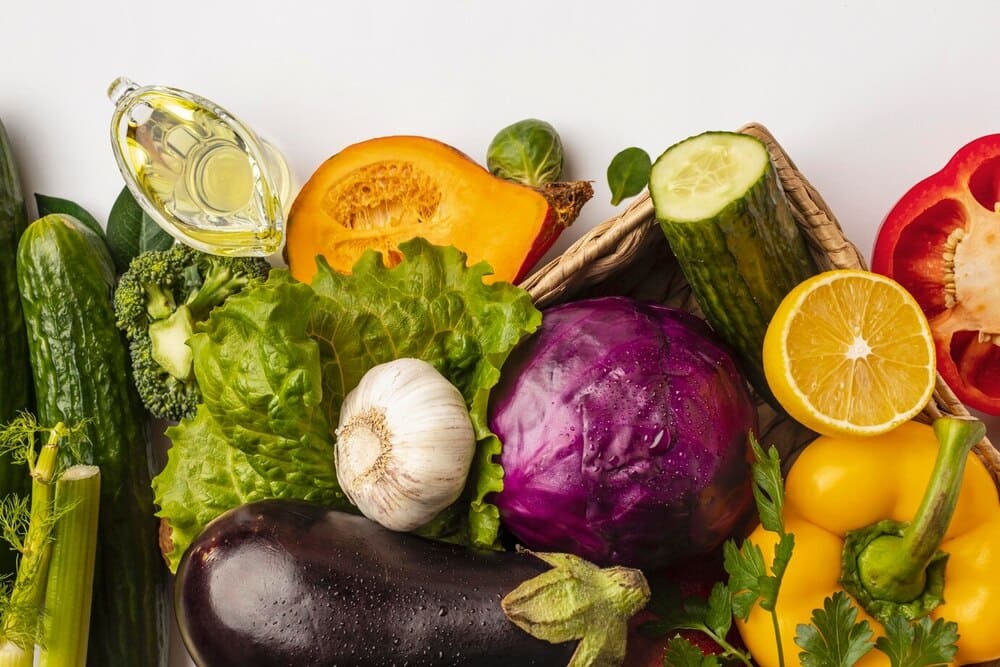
(275, 363)
(203, 478)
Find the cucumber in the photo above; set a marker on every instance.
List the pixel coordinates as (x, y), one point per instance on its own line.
(15, 388)
(721, 207)
(81, 372)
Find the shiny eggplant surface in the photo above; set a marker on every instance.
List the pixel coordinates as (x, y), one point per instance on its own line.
(288, 583)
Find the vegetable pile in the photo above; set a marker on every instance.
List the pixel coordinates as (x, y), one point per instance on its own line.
(386, 454)
(269, 412)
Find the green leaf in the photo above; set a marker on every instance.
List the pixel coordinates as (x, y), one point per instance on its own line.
(682, 653)
(834, 639)
(131, 231)
(713, 617)
(628, 173)
(719, 615)
(203, 478)
(260, 377)
(919, 644)
(768, 486)
(770, 585)
(746, 569)
(48, 205)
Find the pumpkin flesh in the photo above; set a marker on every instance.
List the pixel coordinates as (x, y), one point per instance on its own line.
(379, 193)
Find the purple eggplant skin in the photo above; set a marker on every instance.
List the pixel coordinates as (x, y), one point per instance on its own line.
(286, 583)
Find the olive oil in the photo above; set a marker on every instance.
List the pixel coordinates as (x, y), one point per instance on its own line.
(198, 171)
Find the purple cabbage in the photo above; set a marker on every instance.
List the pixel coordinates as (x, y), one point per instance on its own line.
(624, 429)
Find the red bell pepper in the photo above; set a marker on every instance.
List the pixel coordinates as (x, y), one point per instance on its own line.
(941, 241)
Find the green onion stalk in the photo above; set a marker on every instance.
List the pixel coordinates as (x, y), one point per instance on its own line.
(48, 605)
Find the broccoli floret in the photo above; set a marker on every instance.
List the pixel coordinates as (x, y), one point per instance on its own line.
(160, 299)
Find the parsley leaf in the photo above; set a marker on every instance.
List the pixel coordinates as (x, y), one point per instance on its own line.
(748, 577)
(834, 639)
(719, 614)
(768, 486)
(682, 653)
(714, 616)
(745, 566)
(769, 585)
(920, 644)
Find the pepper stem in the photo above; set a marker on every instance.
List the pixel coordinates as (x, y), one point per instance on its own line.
(893, 568)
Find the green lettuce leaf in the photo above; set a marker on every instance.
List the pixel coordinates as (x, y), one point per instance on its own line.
(431, 307)
(274, 364)
(259, 374)
(203, 478)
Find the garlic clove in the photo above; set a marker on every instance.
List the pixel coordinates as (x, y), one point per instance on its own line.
(405, 444)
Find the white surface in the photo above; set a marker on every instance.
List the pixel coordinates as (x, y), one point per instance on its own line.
(867, 97)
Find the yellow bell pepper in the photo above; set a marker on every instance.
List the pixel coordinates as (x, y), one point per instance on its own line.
(843, 484)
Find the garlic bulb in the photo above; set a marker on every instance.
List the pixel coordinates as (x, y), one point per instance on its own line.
(404, 444)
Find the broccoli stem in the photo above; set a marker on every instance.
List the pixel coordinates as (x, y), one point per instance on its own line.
(168, 339)
(159, 302)
(218, 284)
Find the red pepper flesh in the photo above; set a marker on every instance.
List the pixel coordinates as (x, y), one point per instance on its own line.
(941, 241)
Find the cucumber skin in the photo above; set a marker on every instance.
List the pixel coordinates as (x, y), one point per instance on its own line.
(740, 264)
(80, 366)
(15, 390)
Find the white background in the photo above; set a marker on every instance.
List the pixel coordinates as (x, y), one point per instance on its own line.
(867, 97)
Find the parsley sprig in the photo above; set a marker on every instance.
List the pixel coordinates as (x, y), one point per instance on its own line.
(835, 638)
(682, 653)
(748, 577)
(712, 617)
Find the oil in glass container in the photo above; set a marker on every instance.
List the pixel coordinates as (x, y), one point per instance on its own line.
(198, 171)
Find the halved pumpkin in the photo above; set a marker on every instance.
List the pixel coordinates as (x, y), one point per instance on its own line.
(381, 192)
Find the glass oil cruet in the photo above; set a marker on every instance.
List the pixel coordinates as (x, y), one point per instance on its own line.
(198, 171)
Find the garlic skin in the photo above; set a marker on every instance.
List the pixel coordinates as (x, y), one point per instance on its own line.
(404, 444)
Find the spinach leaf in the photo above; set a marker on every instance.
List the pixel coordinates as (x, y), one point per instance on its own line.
(628, 173)
(131, 231)
(48, 205)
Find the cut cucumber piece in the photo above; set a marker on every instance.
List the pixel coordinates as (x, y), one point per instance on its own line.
(720, 205)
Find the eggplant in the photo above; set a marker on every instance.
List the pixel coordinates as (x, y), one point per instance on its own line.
(280, 582)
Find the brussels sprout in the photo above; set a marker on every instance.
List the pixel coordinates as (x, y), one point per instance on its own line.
(528, 152)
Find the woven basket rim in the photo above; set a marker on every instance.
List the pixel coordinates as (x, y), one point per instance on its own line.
(617, 240)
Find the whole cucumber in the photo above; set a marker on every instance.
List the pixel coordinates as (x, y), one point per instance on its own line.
(81, 373)
(15, 389)
(280, 582)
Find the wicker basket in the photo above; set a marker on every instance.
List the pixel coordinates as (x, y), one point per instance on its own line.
(628, 256)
